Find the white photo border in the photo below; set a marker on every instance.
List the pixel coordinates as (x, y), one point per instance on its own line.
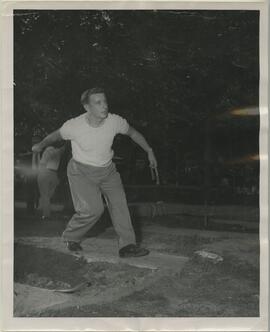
(9, 323)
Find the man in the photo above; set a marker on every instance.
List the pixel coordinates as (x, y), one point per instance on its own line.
(92, 173)
(48, 178)
(32, 193)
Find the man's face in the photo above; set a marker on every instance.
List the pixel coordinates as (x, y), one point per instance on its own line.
(98, 105)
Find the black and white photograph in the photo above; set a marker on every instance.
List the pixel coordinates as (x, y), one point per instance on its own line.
(137, 183)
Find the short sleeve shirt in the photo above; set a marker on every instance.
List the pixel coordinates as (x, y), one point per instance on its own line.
(90, 145)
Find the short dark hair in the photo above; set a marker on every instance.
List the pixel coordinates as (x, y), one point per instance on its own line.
(86, 94)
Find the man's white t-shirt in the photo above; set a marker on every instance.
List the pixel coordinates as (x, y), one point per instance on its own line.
(90, 145)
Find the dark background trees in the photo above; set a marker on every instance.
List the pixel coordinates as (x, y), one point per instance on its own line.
(172, 74)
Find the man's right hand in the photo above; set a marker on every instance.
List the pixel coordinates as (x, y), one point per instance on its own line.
(37, 148)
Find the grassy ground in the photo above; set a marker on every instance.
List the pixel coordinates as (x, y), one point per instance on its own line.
(201, 289)
(195, 292)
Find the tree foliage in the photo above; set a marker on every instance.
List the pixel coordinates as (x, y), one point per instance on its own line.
(165, 71)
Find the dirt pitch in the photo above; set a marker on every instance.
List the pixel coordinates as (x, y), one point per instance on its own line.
(184, 286)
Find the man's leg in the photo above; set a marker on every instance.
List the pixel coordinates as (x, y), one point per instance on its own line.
(113, 191)
(30, 188)
(44, 189)
(87, 202)
(52, 184)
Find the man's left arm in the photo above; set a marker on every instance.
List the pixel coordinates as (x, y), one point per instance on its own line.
(141, 141)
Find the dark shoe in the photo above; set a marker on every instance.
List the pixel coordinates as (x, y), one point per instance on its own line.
(73, 246)
(132, 250)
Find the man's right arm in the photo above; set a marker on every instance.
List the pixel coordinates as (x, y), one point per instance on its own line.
(52, 138)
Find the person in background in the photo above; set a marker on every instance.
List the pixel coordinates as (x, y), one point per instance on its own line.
(92, 173)
(65, 190)
(31, 186)
(48, 178)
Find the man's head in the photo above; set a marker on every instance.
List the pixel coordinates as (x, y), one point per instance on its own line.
(36, 139)
(95, 102)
